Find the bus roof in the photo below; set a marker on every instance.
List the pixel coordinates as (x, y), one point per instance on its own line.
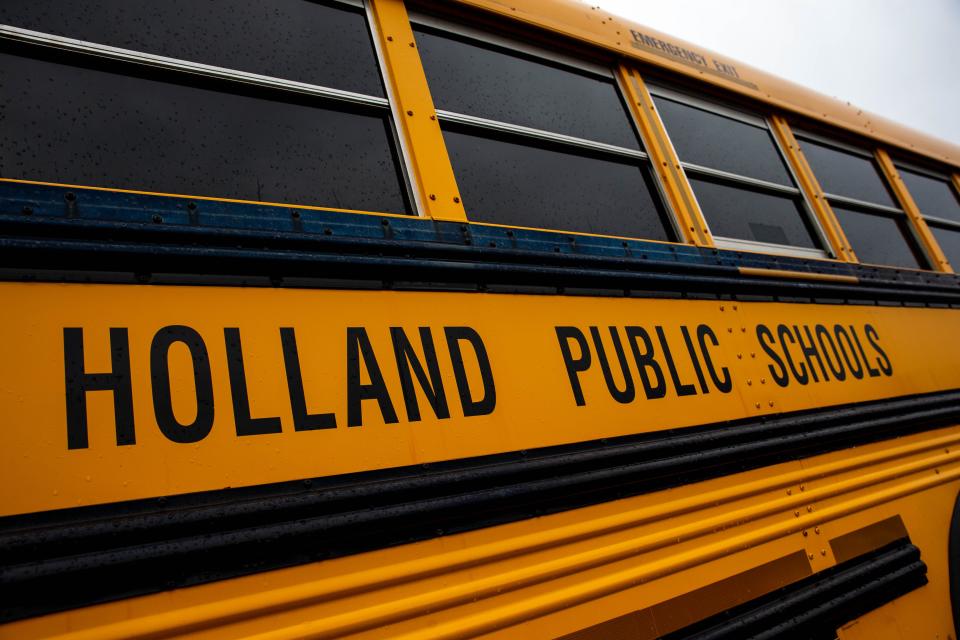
(591, 24)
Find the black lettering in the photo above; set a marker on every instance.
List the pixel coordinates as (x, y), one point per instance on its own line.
(629, 391)
(780, 373)
(432, 387)
(682, 389)
(697, 369)
(245, 424)
(856, 338)
(843, 336)
(79, 382)
(202, 383)
(838, 371)
(302, 420)
(873, 338)
(488, 402)
(574, 365)
(810, 351)
(783, 332)
(358, 345)
(646, 361)
(725, 384)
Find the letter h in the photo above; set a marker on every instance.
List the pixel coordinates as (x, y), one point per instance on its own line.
(79, 382)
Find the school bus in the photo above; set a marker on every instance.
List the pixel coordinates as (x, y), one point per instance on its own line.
(402, 319)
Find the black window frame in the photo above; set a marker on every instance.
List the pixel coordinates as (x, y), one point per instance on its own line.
(865, 205)
(511, 44)
(340, 98)
(711, 105)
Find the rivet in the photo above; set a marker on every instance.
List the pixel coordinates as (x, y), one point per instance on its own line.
(729, 329)
(722, 307)
(810, 556)
(433, 196)
(749, 382)
(433, 117)
(809, 508)
(753, 355)
(771, 403)
(412, 44)
(816, 530)
(805, 534)
(789, 492)
(739, 356)
(409, 113)
(743, 329)
(936, 470)
(456, 199)
(389, 38)
(763, 381)
(734, 307)
(802, 487)
(796, 514)
(823, 552)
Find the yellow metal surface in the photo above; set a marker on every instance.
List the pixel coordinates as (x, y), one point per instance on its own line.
(811, 188)
(664, 159)
(919, 225)
(590, 24)
(726, 360)
(553, 575)
(797, 275)
(415, 113)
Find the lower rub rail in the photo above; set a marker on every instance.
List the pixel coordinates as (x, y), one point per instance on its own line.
(817, 606)
(69, 558)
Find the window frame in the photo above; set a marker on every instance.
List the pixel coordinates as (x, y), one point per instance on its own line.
(557, 58)
(871, 208)
(953, 225)
(761, 122)
(178, 65)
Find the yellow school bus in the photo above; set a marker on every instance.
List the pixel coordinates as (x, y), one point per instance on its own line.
(402, 319)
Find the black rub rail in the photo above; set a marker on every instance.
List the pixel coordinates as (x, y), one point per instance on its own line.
(63, 559)
(55, 232)
(815, 607)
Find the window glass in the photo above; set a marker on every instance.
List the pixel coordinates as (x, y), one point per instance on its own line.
(291, 39)
(949, 241)
(746, 214)
(714, 141)
(480, 80)
(934, 197)
(880, 239)
(67, 124)
(846, 174)
(513, 182)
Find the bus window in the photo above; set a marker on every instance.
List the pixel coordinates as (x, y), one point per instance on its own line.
(280, 39)
(878, 230)
(939, 204)
(739, 176)
(537, 141)
(81, 113)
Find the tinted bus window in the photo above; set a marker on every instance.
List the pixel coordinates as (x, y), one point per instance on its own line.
(538, 143)
(712, 140)
(75, 125)
(573, 191)
(738, 212)
(487, 82)
(879, 238)
(847, 174)
(738, 174)
(291, 39)
(935, 197)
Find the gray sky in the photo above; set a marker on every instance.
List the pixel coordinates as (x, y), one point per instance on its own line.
(896, 58)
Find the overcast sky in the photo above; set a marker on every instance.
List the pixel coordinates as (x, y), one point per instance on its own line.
(896, 58)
